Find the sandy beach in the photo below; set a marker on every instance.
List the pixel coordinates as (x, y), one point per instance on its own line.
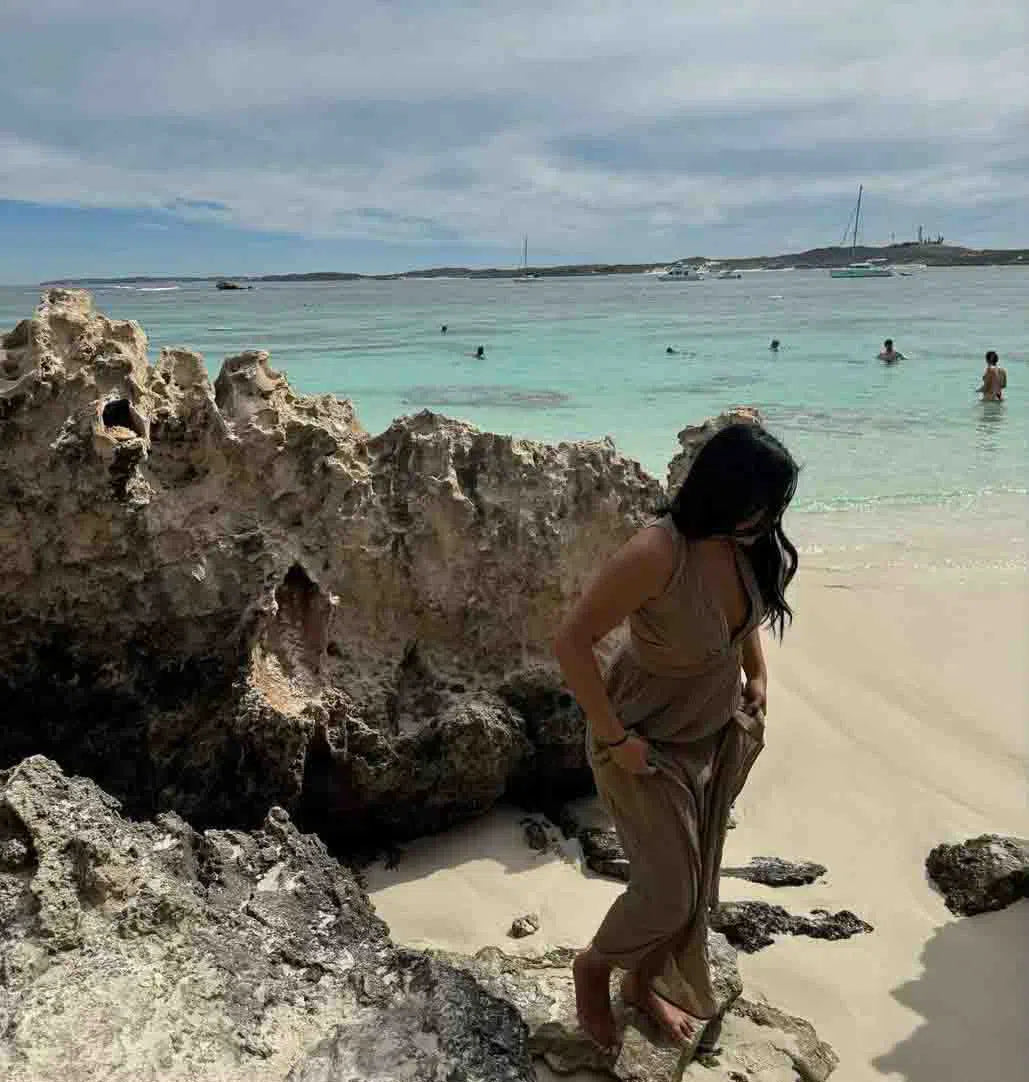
(897, 720)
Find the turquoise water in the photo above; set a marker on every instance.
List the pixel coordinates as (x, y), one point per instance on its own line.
(585, 357)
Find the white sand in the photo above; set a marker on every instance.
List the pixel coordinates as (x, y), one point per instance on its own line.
(898, 719)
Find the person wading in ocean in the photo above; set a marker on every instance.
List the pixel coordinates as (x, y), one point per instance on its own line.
(888, 354)
(671, 733)
(995, 379)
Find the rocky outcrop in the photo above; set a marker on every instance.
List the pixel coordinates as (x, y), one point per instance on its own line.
(776, 872)
(981, 874)
(757, 1040)
(222, 597)
(750, 926)
(133, 950)
(693, 437)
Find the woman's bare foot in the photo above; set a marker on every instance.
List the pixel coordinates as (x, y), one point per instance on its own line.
(593, 999)
(676, 1023)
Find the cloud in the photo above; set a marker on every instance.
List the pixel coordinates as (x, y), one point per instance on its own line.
(601, 128)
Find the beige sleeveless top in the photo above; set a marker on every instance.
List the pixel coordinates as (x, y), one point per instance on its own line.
(676, 676)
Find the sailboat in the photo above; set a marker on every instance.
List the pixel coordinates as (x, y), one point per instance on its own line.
(870, 268)
(526, 275)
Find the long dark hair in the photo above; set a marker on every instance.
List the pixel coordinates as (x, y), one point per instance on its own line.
(743, 471)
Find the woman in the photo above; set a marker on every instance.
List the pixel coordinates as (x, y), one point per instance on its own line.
(671, 732)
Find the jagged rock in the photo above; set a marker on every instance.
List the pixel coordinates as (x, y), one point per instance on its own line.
(750, 926)
(445, 1027)
(524, 926)
(222, 597)
(692, 438)
(759, 1038)
(776, 872)
(604, 854)
(134, 950)
(981, 874)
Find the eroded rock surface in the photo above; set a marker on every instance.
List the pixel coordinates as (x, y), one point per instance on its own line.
(693, 437)
(219, 597)
(777, 872)
(751, 926)
(757, 1040)
(138, 950)
(981, 874)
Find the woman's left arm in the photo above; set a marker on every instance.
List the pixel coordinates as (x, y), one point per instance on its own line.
(755, 691)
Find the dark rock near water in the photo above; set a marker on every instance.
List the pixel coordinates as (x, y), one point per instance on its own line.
(750, 926)
(776, 872)
(981, 874)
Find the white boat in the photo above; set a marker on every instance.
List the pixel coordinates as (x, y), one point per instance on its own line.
(526, 275)
(729, 273)
(682, 272)
(868, 268)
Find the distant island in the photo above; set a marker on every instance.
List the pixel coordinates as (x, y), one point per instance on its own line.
(931, 253)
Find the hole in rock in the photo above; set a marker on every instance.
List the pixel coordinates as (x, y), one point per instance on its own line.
(119, 414)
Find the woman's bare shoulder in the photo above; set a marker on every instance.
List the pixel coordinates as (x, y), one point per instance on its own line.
(654, 550)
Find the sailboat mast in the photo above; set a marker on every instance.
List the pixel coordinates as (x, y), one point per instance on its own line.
(857, 219)
(525, 252)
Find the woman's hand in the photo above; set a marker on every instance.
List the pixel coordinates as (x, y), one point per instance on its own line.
(632, 756)
(755, 695)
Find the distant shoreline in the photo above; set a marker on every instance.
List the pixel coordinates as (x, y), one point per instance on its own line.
(933, 255)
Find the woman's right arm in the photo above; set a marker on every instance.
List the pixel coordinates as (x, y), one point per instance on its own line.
(638, 571)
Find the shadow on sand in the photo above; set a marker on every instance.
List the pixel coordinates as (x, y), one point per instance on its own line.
(972, 997)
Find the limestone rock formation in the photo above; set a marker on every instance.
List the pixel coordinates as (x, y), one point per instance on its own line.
(692, 438)
(136, 949)
(223, 597)
(777, 872)
(757, 1040)
(750, 926)
(132, 950)
(981, 874)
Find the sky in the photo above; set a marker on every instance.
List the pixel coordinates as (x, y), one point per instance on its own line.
(232, 137)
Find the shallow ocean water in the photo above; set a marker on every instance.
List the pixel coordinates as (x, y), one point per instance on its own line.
(574, 358)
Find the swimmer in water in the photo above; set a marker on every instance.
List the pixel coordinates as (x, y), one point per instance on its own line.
(995, 379)
(443, 328)
(774, 345)
(670, 350)
(888, 354)
(479, 354)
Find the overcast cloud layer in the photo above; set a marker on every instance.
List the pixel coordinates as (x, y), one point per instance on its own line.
(393, 134)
